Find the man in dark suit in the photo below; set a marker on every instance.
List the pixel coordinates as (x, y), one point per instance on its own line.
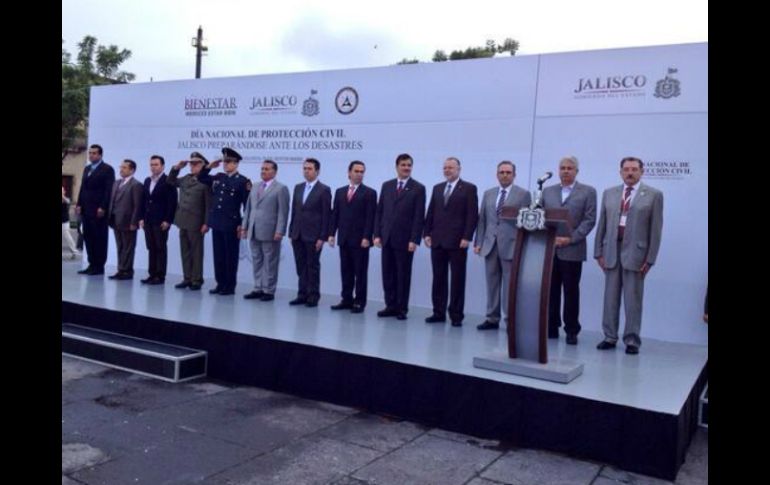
(93, 203)
(449, 225)
(353, 214)
(190, 217)
(310, 214)
(626, 247)
(229, 192)
(580, 200)
(123, 216)
(398, 228)
(160, 200)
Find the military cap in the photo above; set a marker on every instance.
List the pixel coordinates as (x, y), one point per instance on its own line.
(230, 153)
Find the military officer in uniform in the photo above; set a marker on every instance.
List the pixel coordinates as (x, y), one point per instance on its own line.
(190, 217)
(229, 192)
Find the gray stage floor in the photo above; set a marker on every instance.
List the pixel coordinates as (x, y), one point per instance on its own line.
(659, 379)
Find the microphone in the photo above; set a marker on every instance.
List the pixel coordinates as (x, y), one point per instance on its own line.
(545, 177)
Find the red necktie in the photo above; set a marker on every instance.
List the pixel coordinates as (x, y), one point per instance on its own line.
(351, 191)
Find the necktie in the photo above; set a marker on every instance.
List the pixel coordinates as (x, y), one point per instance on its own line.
(447, 193)
(261, 190)
(351, 191)
(626, 204)
(501, 201)
(400, 187)
(307, 191)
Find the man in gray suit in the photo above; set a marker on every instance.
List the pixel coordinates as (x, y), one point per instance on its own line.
(580, 200)
(310, 216)
(190, 218)
(626, 246)
(264, 225)
(123, 216)
(495, 240)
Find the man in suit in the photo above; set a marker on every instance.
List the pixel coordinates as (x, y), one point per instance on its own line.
(398, 226)
(229, 191)
(495, 240)
(310, 214)
(626, 246)
(264, 225)
(160, 200)
(449, 225)
(190, 217)
(353, 221)
(123, 216)
(580, 200)
(93, 203)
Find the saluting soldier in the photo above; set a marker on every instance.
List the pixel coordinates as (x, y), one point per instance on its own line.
(190, 217)
(229, 192)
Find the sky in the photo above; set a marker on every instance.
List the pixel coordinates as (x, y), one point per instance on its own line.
(248, 37)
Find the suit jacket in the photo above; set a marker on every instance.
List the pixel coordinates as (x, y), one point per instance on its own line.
(503, 232)
(400, 218)
(96, 189)
(310, 221)
(355, 219)
(581, 204)
(267, 215)
(644, 225)
(160, 205)
(194, 201)
(125, 205)
(447, 224)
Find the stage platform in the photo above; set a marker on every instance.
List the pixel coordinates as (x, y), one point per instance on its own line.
(635, 412)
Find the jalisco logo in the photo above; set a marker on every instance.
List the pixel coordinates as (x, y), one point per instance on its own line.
(611, 84)
(668, 87)
(346, 100)
(210, 106)
(281, 102)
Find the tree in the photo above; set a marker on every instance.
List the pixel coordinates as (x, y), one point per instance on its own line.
(489, 50)
(96, 65)
(407, 61)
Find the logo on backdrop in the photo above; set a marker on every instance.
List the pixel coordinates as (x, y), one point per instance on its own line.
(275, 104)
(668, 87)
(310, 106)
(621, 86)
(346, 100)
(195, 106)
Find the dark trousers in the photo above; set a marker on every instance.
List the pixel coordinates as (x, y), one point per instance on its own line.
(191, 248)
(95, 233)
(157, 248)
(443, 261)
(396, 277)
(126, 242)
(354, 265)
(308, 262)
(565, 274)
(226, 246)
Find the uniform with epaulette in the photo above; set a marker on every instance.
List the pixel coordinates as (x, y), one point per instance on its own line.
(229, 192)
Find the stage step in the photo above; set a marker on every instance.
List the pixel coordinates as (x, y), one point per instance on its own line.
(154, 359)
(703, 407)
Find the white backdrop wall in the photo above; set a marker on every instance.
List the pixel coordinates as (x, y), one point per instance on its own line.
(525, 109)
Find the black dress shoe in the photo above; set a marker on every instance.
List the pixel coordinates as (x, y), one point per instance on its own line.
(311, 303)
(144, 281)
(96, 272)
(457, 323)
(85, 270)
(267, 297)
(571, 339)
(195, 286)
(632, 349)
(183, 284)
(387, 312)
(226, 292)
(401, 316)
(124, 276)
(254, 295)
(214, 291)
(156, 281)
(487, 325)
(113, 276)
(298, 301)
(357, 309)
(435, 319)
(343, 305)
(604, 345)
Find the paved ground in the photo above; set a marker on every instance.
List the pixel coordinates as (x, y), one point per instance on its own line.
(119, 428)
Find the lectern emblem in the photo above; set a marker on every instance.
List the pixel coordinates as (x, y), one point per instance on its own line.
(531, 219)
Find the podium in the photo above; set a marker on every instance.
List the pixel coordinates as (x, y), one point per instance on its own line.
(529, 292)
